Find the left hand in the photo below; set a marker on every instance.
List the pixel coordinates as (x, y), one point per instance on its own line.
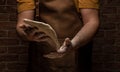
(66, 47)
(62, 51)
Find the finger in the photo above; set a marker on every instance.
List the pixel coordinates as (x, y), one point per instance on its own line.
(22, 30)
(62, 49)
(67, 42)
(28, 29)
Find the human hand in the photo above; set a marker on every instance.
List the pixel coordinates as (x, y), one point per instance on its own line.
(65, 49)
(27, 32)
(23, 29)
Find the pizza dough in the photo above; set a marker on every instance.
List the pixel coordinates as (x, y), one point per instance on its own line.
(49, 31)
(46, 28)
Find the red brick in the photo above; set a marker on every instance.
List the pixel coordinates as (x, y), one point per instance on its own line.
(109, 10)
(8, 9)
(109, 18)
(13, 34)
(113, 3)
(109, 49)
(112, 66)
(3, 50)
(17, 66)
(3, 9)
(98, 67)
(13, 17)
(118, 11)
(4, 17)
(23, 58)
(17, 50)
(100, 34)
(110, 34)
(117, 41)
(9, 2)
(117, 49)
(3, 33)
(2, 2)
(9, 58)
(2, 66)
(11, 9)
(117, 58)
(98, 58)
(7, 25)
(9, 42)
(15, 71)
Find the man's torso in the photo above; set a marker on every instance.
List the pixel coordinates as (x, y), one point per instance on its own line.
(62, 16)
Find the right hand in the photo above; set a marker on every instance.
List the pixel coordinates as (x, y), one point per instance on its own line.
(65, 49)
(24, 31)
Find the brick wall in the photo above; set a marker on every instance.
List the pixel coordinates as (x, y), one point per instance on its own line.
(106, 48)
(13, 51)
(106, 51)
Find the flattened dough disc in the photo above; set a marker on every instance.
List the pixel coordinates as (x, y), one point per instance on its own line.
(46, 28)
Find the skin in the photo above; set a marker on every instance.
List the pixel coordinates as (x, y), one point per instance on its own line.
(90, 25)
(29, 14)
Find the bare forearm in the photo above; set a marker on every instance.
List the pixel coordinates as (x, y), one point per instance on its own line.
(91, 24)
(29, 14)
(84, 35)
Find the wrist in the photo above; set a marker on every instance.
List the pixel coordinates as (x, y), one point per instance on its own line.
(74, 44)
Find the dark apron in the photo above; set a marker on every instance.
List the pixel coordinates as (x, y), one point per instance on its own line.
(63, 17)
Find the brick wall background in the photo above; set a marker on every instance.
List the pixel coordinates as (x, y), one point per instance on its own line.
(106, 48)
(13, 51)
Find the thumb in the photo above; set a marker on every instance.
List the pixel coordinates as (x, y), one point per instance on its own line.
(67, 42)
(65, 45)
